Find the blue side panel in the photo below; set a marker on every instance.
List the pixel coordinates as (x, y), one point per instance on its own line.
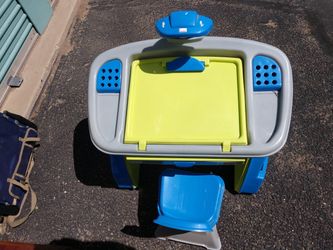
(266, 74)
(109, 77)
(119, 172)
(185, 64)
(255, 175)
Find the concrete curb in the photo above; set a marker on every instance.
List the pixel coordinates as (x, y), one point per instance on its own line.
(39, 62)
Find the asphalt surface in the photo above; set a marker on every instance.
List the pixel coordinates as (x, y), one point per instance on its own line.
(78, 204)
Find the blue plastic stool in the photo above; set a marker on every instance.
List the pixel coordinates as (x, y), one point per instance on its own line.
(189, 201)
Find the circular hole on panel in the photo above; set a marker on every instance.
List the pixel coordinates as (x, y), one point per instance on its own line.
(117, 77)
(258, 75)
(110, 70)
(103, 70)
(266, 67)
(103, 77)
(117, 70)
(266, 82)
(273, 66)
(102, 84)
(274, 81)
(109, 77)
(266, 74)
(258, 67)
(258, 82)
(109, 84)
(274, 74)
(116, 85)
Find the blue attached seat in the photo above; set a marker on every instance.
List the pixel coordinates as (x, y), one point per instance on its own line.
(189, 201)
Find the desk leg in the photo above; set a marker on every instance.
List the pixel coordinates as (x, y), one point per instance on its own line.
(253, 175)
(120, 173)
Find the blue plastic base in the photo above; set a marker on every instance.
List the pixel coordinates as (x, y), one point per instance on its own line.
(255, 175)
(189, 201)
(119, 172)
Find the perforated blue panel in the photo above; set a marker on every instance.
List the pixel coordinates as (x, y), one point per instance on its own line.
(266, 74)
(109, 77)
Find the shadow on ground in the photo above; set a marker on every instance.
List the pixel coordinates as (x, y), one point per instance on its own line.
(71, 244)
(93, 168)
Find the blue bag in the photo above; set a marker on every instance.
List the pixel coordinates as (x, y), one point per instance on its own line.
(18, 139)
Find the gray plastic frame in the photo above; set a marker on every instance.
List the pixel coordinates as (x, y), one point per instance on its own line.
(268, 113)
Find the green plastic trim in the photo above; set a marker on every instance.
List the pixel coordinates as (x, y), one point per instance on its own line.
(133, 170)
(239, 174)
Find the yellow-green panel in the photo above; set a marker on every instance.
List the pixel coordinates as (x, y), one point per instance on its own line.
(133, 170)
(226, 160)
(239, 175)
(186, 107)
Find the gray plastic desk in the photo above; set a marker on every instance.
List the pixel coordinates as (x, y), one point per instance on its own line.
(268, 112)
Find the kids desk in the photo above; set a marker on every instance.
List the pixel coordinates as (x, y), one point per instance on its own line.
(189, 99)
